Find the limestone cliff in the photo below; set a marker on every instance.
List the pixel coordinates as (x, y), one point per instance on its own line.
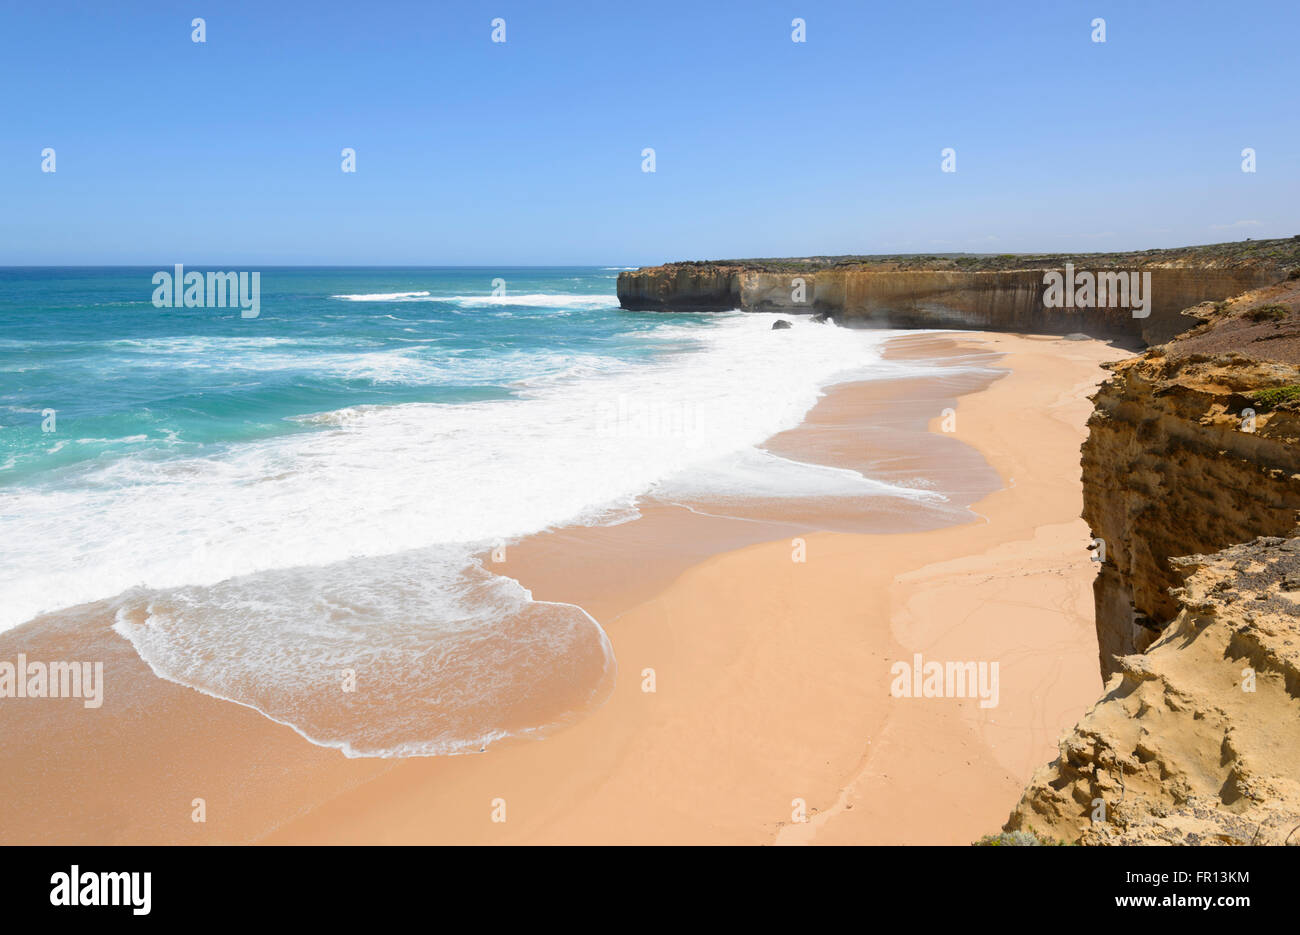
(1175, 463)
(1193, 448)
(681, 288)
(994, 293)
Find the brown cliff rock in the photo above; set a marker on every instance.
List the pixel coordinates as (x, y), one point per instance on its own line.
(1001, 293)
(1174, 464)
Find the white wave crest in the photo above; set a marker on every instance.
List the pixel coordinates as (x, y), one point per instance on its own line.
(381, 296)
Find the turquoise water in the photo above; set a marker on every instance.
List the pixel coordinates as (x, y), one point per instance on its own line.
(125, 377)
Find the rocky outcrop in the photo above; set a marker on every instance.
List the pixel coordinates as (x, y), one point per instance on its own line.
(681, 288)
(949, 293)
(1191, 477)
(1197, 740)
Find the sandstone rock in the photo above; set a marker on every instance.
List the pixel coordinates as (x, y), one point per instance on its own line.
(1172, 466)
(1197, 740)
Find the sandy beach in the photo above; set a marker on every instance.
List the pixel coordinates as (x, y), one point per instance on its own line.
(753, 697)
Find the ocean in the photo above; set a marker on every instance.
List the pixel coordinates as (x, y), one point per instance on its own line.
(291, 511)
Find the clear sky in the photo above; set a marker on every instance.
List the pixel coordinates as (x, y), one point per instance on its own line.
(529, 151)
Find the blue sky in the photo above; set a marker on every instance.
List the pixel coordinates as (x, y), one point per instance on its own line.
(529, 152)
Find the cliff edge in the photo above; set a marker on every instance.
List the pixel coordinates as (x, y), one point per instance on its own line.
(1192, 447)
(1191, 477)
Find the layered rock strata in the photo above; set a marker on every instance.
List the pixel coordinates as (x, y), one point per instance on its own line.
(988, 293)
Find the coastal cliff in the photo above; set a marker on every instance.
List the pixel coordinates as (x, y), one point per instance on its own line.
(1191, 477)
(1193, 447)
(1001, 293)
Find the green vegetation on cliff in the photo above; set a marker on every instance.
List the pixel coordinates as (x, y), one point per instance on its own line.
(1282, 254)
(1281, 396)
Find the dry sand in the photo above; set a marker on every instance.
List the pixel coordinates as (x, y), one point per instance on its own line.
(771, 675)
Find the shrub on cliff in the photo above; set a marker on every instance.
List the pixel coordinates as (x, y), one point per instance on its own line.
(1268, 313)
(1277, 397)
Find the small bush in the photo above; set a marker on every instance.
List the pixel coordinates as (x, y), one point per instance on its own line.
(1278, 396)
(1268, 313)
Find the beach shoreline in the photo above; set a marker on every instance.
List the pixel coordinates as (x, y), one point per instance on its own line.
(769, 651)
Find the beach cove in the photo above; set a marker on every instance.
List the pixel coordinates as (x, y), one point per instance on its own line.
(754, 643)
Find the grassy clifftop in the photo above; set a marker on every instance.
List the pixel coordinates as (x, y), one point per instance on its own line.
(1282, 254)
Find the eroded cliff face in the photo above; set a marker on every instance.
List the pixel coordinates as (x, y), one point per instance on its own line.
(680, 288)
(1191, 477)
(1197, 740)
(1000, 300)
(1175, 463)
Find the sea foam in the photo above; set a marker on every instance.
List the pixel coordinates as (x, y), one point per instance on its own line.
(575, 443)
(263, 572)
